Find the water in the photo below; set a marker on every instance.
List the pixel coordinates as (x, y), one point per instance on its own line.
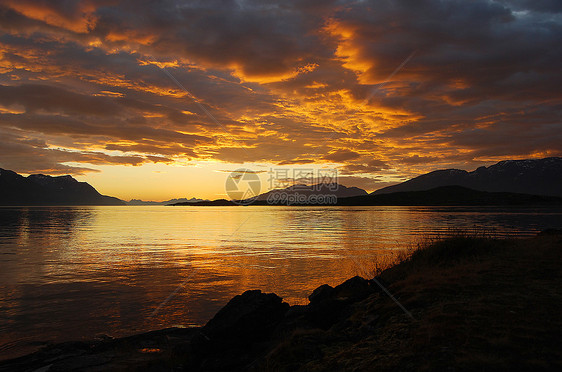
(69, 273)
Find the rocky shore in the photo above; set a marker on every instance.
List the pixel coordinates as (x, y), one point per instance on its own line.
(468, 303)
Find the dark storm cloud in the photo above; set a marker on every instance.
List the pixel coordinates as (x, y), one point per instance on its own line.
(64, 126)
(33, 156)
(260, 38)
(287, 81)
(342, 156)
(62, 111)
(36, 98)
(364, 166)
(416, 159)
(122, 72)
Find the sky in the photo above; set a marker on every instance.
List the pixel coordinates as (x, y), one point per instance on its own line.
(162, 99)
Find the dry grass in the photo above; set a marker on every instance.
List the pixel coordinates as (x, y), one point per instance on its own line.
(479, 303)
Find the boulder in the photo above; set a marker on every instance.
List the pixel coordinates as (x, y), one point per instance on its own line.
(323, 293)
(328, 305)
(353, 290)
(237, 334)
(251, 315)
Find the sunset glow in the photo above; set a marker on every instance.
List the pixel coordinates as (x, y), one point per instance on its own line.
(158, 100)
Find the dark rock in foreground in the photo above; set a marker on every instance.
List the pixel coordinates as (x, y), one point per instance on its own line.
(239, 332)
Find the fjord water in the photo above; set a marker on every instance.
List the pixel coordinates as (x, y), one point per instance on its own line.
(70, 273)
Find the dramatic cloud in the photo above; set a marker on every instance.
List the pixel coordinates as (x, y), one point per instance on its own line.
(380, 89)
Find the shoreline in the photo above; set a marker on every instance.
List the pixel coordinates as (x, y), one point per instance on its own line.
(440, 196)
(477, 303)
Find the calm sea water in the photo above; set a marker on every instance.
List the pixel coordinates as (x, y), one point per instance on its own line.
(71, 273)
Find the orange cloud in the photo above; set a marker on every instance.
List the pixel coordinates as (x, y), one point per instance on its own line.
(348, 50)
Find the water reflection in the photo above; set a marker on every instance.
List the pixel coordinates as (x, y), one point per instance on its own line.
(71, 273)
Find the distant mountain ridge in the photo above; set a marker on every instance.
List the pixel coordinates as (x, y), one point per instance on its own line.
(533, 176)
(452, 196)
(39, 189)
(167, 202)
(439, 196)
(276, 196)
(340, 191)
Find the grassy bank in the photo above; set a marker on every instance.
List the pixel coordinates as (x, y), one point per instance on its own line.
(476, 303)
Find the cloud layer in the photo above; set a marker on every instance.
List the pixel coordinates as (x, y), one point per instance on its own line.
(381, 88)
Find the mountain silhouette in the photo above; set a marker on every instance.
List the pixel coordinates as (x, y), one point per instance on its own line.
(439, 196)
(39, 189)
(452, 196)
(278, 196)
(534, 176)
(167, 202)
(340, 191)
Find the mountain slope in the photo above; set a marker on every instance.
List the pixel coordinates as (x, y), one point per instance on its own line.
(39, 189)
(338, 190)
(292, 195)
(167, 202)
(451, 196)
(439, 196)
(535, 176)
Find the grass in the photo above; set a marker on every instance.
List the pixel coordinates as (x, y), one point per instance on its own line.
(479, 304)
(455, 245)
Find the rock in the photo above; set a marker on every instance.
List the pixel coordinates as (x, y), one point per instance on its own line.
(353, 290)
(296, 311)
(321, 294)
(238, 333)
(328, 305)
(238, 337)
(252, 314)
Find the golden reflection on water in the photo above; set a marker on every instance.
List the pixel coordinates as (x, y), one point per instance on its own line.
(75, 272)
